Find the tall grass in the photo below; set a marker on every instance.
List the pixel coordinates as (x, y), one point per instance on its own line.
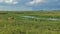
(21, 25)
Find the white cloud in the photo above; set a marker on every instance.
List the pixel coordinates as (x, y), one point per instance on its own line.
(35, 2)
(9, 1)
(1, 0)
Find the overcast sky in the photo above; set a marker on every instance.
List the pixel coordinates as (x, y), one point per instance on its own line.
(29, 4)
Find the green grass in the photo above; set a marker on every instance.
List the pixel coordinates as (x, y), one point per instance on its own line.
(21, 25)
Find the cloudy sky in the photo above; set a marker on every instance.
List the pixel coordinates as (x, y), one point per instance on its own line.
(29, 4)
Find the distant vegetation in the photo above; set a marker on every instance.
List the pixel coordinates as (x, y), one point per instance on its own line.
(13, 23)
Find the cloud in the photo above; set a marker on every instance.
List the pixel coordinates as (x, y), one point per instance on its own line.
(47, 4)
(29, 4)
(9, 1)
(41, 2)
(1, 1)
(35, 2)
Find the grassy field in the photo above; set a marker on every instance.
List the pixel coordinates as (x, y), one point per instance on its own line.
(33, 23)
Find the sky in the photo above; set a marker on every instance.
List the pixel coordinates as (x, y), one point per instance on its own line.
(29, 5)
